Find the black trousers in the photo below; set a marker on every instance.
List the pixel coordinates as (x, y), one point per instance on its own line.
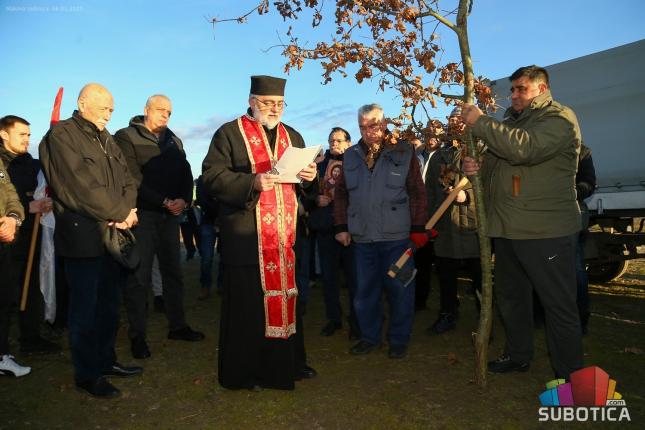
(156, 233)
(93, 314)
(12, 277)
(423, 260)
(547, 266)
(448, 273)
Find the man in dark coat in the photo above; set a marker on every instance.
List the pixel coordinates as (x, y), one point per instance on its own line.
(157, 162)
(23, 169)
(333, 256)
(91, 189)
(261, 342)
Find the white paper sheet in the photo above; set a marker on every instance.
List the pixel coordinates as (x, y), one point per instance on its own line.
(293, 161)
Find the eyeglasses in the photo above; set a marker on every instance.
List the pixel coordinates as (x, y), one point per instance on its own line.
(270, 104)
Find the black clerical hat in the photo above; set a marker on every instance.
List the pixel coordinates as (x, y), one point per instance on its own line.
(263, 85)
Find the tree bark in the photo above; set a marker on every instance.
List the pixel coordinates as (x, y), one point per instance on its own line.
(486, 313)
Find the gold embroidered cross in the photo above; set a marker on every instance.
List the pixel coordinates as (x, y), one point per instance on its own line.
(271, 267)
(255, 141)
(289, 218)
(268, 219)
(283, 142)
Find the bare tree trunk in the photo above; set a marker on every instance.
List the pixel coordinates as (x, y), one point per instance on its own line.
(486, 314)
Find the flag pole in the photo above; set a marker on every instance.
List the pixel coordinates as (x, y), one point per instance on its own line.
(34, 234)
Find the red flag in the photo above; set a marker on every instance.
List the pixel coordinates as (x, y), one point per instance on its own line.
(56, 111)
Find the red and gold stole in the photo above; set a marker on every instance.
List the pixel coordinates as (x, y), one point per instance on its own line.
(275, 215)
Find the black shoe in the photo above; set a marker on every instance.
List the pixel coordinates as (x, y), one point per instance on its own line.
(308, 372)
(504, 364)
(120, 371)
(444, 323)
(330, 328)
(139, 348)
(160, 306)
(100, 388)
(397, 351)
(39, 346)
(187, 334)
(362, 347)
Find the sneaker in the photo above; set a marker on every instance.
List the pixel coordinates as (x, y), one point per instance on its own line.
(504, 364)
(187, 334)
(444, 323)
(39, 346)
(139, 348)
(9, 367)
(397, 351)
(330, 328)
(160, 306)
(362, 347)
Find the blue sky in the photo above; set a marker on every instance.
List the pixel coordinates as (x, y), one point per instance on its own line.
(138, 48)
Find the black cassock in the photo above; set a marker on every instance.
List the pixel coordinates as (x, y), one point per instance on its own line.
(246, 357)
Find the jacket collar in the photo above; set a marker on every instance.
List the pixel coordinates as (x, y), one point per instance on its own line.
(538, 102)
(137, 122)
(86, 125)
(8, 157)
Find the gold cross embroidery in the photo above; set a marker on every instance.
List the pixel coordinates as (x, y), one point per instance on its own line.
(283, 142)
(255, 141)
(271, 267)
(289, 218)
(268, 219)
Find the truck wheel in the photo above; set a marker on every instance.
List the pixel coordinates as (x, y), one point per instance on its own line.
(606, 272)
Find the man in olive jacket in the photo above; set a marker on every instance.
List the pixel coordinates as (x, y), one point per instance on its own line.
(91, 189)
(11, 216)
(529, 173)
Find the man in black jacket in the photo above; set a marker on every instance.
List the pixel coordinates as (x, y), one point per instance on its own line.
(23, 169)
(91, 189)
(157, 162)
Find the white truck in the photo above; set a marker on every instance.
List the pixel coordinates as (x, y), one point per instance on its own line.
(606, 90)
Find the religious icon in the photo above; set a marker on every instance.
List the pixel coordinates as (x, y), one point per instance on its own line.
(334, 169)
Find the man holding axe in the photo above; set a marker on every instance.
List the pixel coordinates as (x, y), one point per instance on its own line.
(380, 206)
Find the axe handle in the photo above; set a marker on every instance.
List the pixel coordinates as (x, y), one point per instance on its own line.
(400, 262)
(444, 205)
(30, 262)
(431, 222)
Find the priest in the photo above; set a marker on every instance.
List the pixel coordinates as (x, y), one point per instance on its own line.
(261, 342)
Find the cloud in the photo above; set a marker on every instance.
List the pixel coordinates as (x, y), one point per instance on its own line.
(204, 130)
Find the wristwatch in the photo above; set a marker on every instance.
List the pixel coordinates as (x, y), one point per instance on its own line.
(16, 217)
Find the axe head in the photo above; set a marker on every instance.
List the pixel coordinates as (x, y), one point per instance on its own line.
(404, 274)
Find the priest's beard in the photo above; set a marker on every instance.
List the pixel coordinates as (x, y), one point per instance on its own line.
(263, 118)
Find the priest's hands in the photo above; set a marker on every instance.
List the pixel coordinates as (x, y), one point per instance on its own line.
(265, 181)
(308, 174)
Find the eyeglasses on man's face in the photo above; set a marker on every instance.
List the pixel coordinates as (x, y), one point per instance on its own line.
(269, 104)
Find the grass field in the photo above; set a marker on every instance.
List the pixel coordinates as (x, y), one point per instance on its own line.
(431, 388)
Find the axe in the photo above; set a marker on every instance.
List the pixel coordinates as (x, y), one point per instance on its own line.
(406, 275)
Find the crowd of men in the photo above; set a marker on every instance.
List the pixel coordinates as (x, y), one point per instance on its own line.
(365, 204)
